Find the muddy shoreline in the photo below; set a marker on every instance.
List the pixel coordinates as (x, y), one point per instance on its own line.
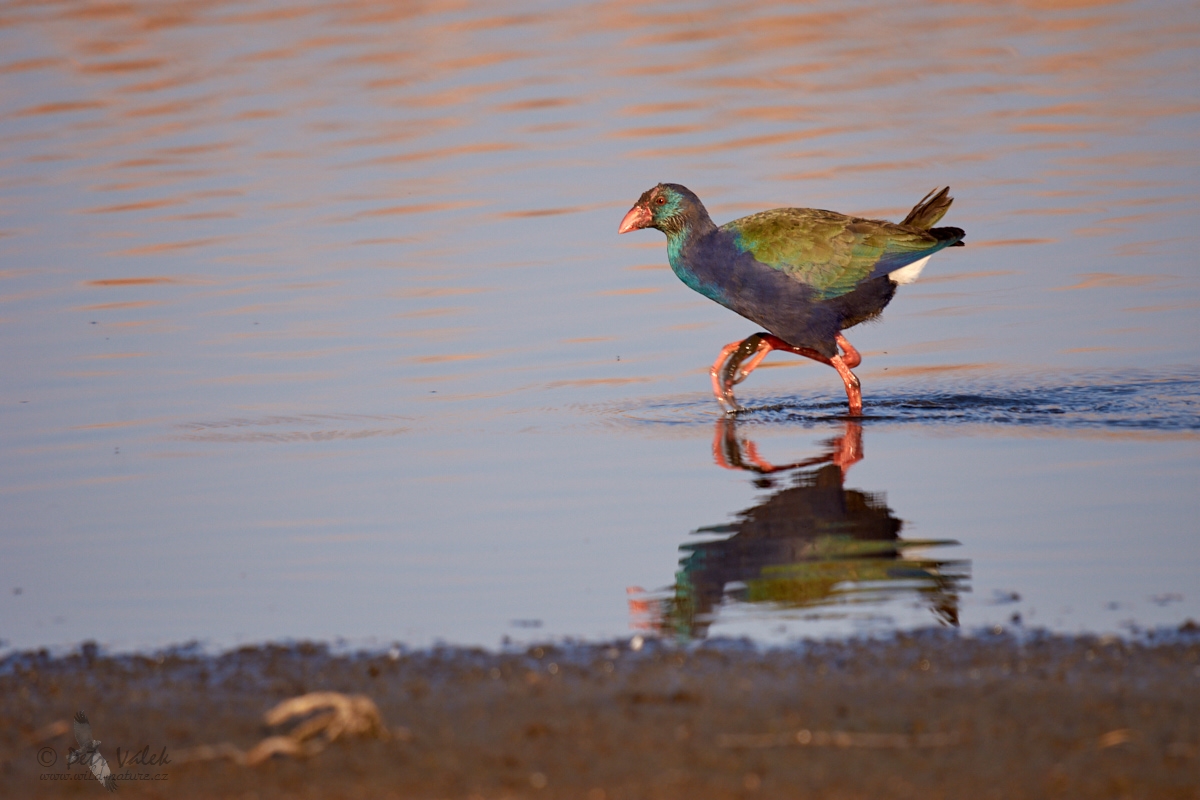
(935, 713)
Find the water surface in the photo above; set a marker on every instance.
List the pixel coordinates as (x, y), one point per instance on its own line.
(316, 321)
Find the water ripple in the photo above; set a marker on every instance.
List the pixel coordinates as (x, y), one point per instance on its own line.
(1138, 402)
(292, 428)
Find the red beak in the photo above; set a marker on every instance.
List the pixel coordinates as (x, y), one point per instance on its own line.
(638, 217)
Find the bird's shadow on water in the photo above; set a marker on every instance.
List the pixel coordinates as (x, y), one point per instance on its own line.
(1146, 402)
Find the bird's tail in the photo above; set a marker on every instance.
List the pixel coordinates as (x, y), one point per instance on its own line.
(932, 208)
(952, 236)
(926, 214)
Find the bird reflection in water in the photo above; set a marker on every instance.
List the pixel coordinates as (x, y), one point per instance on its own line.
(811, 544)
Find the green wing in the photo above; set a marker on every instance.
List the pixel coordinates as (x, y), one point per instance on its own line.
(830, 252)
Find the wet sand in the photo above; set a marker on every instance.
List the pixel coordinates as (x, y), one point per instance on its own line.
(931, 714)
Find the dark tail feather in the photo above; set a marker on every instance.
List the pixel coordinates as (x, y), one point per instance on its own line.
(952, 235)
(932, 208)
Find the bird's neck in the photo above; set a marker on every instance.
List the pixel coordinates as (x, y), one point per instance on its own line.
(691, 251)
(680, 240)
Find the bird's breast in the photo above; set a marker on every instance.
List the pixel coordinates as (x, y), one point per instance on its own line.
(721, 271)
(702, 269)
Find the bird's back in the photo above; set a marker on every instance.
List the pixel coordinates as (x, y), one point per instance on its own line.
(831, 253)
(805, 274)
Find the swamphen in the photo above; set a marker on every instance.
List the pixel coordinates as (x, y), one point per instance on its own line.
(803, 274)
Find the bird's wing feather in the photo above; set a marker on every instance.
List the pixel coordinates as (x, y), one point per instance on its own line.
(83, 729)
(101, 771)
(830, 252)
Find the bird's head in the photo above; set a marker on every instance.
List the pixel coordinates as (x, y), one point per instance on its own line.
(669, 207)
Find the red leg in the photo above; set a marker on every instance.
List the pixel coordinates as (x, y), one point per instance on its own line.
(853, 390)
(780, 344)
(726, 370)
(848, 361)
(745, 369)
(720, 391)
(849, 354)
(726, 376)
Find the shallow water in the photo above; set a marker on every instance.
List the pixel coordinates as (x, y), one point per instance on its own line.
(317, 323)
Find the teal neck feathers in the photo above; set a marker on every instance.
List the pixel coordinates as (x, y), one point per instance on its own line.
(679, 243)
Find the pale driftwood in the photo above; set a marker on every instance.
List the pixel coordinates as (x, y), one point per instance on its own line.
(319, 718)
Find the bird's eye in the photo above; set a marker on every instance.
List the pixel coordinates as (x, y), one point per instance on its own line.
(660, 200)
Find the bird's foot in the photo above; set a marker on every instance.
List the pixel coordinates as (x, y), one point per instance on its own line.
(732, 367)
(728, 402)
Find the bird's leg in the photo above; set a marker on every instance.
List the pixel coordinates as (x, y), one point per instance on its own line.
(722, 393)
(735, 372)
(732, 366)
(853, 390)
(849, 354)
(843, 364)
(724, 371)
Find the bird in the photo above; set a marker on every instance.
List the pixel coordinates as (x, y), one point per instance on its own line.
(803, 274)
(89, 753)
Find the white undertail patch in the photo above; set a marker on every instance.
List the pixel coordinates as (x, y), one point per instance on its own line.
(909, 272)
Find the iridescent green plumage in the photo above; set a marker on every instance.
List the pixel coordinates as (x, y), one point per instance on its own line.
(832, 253)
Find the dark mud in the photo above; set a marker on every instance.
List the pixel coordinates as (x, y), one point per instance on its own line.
(931, 714)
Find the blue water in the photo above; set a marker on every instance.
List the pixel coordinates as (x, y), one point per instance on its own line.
(317, 324)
